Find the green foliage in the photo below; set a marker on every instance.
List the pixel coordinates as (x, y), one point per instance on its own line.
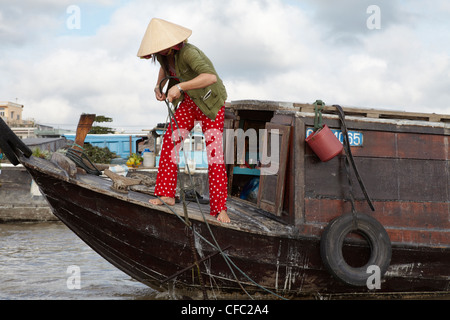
(100, 129)
(103, 119)
(99, 155)
(44, 154)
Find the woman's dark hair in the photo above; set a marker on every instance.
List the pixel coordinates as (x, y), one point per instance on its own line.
(163, 59)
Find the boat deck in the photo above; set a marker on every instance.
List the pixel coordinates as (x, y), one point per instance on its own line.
(244, 215)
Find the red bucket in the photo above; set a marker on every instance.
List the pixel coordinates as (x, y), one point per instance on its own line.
(324, 144)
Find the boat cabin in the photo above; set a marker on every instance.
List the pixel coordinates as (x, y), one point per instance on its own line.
(403, 160)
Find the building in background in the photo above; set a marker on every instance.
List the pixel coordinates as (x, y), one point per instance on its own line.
(11, 113)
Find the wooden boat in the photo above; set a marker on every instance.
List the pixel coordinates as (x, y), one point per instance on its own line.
(275, 246)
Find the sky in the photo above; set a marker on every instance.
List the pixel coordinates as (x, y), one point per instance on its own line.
(62, 58)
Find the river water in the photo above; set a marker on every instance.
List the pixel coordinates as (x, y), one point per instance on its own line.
(47, 261)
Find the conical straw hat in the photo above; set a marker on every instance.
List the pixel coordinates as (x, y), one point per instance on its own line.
(161, 35)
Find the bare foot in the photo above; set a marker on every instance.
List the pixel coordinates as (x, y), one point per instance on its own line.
(223, 217)
(167, 200)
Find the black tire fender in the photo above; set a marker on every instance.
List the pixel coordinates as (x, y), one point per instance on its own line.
(332, 241)
(11, 145)
(9, 153)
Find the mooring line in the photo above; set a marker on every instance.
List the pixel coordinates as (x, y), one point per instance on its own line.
(216, 245)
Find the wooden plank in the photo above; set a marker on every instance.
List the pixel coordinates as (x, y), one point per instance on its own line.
(385, 179)
(377, 144)
(253, 105)
(401, 214)
(258, 105)
(378, 125)
(378, 113)
(436, 238)
(384, 144)
(422, 146)
(408, 223)
(329, 179)
(229, 146)
(424, 180)
(398, 236)
(84, 126)
(268, 199)
(298, 163)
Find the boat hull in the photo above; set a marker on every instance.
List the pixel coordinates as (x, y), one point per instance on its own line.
(154, 246)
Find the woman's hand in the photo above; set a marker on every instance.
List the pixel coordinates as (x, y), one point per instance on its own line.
(159, 95)
(173, 94)
(203, 80)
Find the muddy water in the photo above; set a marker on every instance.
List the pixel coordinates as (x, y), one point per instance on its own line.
(48, 261)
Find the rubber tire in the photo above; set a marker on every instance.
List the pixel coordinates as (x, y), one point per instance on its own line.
(332, 242)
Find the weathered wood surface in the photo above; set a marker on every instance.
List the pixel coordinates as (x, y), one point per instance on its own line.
(254, 105)
(406, 175)
(378, 113)
(404, 163)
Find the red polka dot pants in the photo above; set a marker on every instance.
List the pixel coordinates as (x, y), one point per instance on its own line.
(186, 115)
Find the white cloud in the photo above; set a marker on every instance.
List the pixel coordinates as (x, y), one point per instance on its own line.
(264, 49)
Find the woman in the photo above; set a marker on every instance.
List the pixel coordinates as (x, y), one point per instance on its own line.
(201, 96)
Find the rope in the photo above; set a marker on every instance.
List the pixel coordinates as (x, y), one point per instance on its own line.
(349, 159)
(224, 255)
(214, 245)
(318, 107)
(77, 156)
(172, 116)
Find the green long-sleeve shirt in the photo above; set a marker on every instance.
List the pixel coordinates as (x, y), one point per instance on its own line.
(190, 61)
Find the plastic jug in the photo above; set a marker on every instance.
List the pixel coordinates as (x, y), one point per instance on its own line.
(149, 158)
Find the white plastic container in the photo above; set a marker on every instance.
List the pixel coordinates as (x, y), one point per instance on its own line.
(149, 159)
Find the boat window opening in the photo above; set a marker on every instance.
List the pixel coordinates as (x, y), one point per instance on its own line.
(244, 175)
